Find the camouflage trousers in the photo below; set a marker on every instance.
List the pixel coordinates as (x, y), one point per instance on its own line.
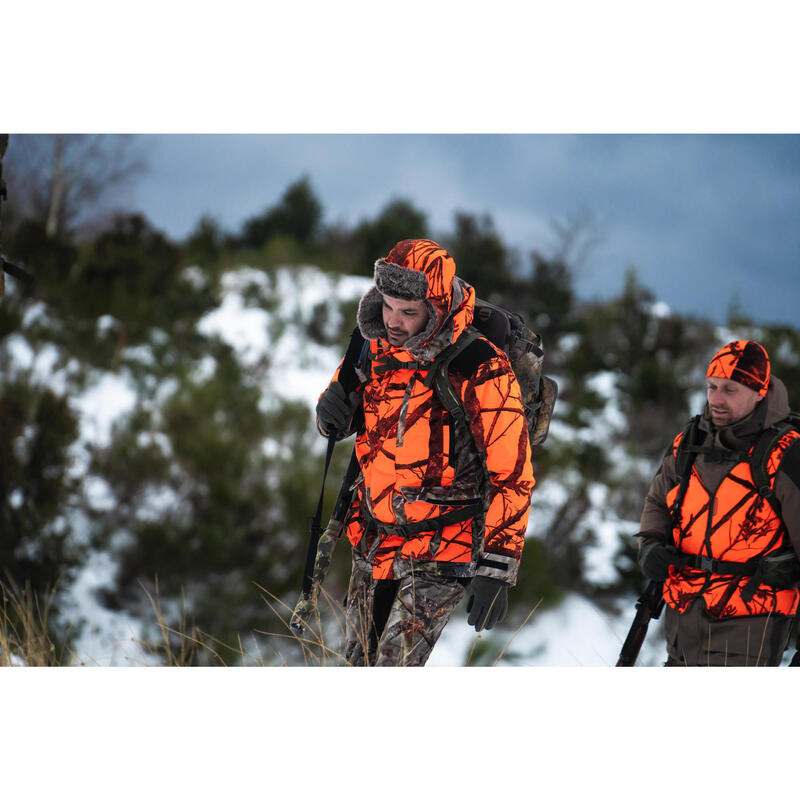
(396, 623)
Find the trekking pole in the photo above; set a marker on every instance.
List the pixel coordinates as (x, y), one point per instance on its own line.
(648, 607)
(322, 543)
(315, 530)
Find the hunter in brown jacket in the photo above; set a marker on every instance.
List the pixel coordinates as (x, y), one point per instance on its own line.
(723, 541)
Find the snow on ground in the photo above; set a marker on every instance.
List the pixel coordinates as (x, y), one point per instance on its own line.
(574, 634)
(110, 638)
(608, 529)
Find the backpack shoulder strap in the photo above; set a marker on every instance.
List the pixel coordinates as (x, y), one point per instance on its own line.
(352, 371)
(687, 449)
(438, 374)
(758, 459)
(684, 459)
(351, 363)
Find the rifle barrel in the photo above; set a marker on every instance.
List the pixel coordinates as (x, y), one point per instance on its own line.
(648, 607)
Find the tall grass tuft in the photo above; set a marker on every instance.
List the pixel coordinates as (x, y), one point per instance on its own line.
(26, 637)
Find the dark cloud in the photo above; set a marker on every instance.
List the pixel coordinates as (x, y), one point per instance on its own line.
(703, 219)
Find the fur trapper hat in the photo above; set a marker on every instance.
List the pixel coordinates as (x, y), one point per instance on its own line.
(414, 269)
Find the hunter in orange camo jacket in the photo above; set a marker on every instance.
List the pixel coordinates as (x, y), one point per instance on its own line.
(416, 464)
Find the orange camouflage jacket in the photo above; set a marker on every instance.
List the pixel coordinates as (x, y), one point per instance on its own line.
(417, 465)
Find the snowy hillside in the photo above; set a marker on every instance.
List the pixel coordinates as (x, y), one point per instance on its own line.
(576, 633)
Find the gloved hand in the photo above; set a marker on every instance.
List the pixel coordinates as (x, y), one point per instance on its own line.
(334, 410)
(303, 611)
(655, 559)
(487, 602)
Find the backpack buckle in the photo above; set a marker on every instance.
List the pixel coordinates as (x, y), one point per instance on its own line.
(708, 564)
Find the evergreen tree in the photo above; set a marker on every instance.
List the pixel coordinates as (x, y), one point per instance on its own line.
(204, 244)
(397, 220)
(39, 549)
(297, 215)
(481, 257)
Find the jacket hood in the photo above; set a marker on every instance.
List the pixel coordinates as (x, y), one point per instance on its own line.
(419, 269)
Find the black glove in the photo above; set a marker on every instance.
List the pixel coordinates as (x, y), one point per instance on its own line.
(655, 559)
(334, 410)
(487, 602)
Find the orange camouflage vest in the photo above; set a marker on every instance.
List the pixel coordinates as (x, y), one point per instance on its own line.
(734, 524)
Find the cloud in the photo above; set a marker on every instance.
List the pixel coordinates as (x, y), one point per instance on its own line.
(701, 217)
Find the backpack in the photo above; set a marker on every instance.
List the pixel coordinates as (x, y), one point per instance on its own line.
(508, 332)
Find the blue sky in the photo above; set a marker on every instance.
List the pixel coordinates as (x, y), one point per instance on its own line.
(704, 219)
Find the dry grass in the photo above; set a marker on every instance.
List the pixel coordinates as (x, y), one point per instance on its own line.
(26, 638)
(315, 651)
(25, 635)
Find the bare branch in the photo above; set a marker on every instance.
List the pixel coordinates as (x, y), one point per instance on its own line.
(65, 180)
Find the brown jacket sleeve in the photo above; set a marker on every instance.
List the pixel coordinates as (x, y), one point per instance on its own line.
(656, 522)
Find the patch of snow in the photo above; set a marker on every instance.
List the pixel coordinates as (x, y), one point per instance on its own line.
(156, 502)
(98, 493)
(243, 328)
(574, 634)
(14, 659)
(195, 276)
(110, 638)
(106, 324)
(786, 354)
(299, 367)
(142, 354)
(205, 369)
(608, 529)
(611, 419)
(660, 310)
(160, 440)
(568, 342)
(305, 367)
(697, 402)
(98, 407)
